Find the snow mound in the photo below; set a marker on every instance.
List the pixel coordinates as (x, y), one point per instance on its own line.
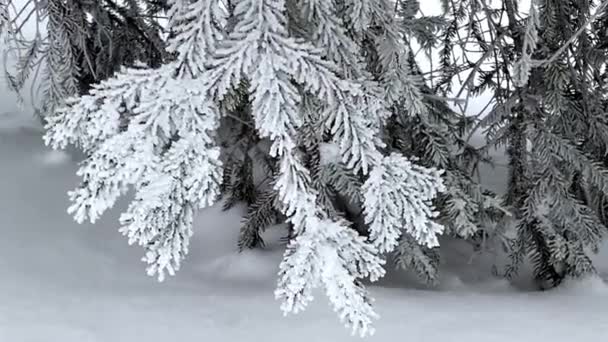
(450, 282)
(18, 121)
(248, 267)
(71, 283)
(54, 157)
(589, 286)
(224, 263)
(330, 153)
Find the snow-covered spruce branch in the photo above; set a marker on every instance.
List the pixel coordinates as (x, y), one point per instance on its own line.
(157, 151)
(196, 26)
(147, 128)
(397, 196)
(154, 130)
(329, 34)
(260, 46)
(90, 120)
(523, 67)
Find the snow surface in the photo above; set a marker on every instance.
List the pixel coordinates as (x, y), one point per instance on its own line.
(69, 283)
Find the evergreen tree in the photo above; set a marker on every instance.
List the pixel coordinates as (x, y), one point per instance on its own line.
(156, 129)
(316, 113)
(77, 43)
(424, 126)
(545, 75)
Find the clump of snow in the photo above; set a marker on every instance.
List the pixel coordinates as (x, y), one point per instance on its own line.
(589, 286)
(450, 282)
(14, 120)
(600, 260)
(246, 268)
(492, 285)
(54, 157)
(214, 253)
(330, 153)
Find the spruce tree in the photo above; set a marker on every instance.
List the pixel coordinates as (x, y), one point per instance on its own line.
(426, 127)
(561, 222)
(158, 130)
(76, 44)
(543, 69)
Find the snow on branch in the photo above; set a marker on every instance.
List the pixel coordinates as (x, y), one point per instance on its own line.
(523, 67)
(155, 131)
(340, 257)
(158, 152)
(398, 195)
(196, 27)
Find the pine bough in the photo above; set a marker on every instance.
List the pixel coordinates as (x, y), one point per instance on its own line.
(155, 130)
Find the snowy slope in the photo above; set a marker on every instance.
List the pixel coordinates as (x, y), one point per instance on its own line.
(69, 283)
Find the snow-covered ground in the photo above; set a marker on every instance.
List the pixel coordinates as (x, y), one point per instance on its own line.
(68, 283)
